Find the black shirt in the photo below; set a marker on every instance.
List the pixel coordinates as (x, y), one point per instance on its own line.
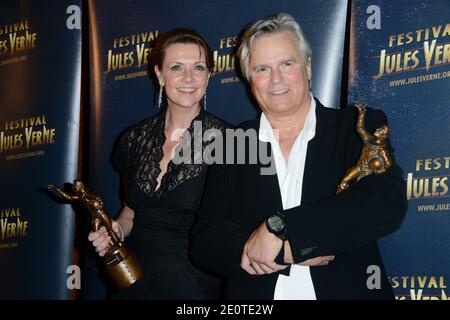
(164, 216)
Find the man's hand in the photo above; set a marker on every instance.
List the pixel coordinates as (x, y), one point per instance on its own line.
(260, 251)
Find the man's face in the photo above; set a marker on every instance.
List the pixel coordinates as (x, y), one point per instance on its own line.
(278, 75)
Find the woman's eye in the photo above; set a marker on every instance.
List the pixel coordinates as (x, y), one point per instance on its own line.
(175, 68)
(200, 68)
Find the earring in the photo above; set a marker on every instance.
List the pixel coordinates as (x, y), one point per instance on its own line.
(160, 97)
(204, 101)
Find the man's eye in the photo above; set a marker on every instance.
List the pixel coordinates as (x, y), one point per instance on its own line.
(260, 69)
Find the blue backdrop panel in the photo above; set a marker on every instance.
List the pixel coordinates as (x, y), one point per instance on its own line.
(122, 93)
(40, 67)
(403, 68)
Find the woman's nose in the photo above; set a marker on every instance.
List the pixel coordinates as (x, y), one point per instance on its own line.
(187, 76)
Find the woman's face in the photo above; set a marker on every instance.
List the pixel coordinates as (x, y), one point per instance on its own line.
(184, 75)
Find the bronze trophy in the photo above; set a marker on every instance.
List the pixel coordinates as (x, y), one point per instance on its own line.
(121, 266)
(374, 158)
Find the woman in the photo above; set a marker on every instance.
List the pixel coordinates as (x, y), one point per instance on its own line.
(161, 197)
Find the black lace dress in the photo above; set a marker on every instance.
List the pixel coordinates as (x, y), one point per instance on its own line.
(164, 216)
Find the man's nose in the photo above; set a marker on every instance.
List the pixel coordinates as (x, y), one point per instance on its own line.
(275, 75)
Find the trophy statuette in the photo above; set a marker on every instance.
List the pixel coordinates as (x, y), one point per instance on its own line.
(122, 267)
(374, 158)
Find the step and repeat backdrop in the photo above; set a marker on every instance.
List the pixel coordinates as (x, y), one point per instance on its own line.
(40, 77)
(390, 55)
(400, 63)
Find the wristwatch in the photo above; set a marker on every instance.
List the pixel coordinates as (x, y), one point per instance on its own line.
(276, 224)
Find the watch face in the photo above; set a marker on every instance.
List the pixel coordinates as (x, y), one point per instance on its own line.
(276, 223)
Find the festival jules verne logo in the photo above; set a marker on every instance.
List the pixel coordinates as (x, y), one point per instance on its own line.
(422, 49)
(429, 179)
(26, 137)
(15, 39)
(427, 187)
(225, 59)
(129, 53)
(423, 287)
(13, 226)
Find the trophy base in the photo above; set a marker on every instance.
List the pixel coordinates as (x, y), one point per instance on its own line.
(122, 267)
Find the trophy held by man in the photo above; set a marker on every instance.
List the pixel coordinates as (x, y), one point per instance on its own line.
(374, 158)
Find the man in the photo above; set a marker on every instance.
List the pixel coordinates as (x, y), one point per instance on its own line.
(289, 236)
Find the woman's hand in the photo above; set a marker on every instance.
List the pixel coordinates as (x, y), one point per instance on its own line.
(101, 240)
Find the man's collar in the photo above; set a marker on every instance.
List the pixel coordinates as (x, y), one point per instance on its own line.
(266, 134)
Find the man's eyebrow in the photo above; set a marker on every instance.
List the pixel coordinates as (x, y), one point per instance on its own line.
(288, 60)
(261, 65)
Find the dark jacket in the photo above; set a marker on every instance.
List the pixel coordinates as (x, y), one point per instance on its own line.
(238, 199)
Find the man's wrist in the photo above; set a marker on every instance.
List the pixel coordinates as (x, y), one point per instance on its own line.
(276, 224)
